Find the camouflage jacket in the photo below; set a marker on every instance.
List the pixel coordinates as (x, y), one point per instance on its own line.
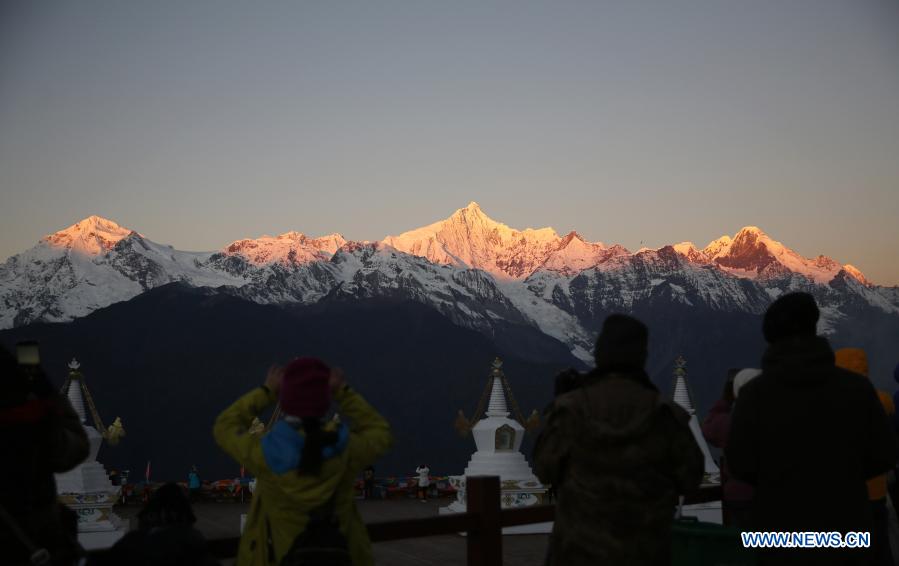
(618, 456)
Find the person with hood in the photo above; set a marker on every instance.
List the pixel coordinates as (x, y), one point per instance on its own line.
(42, 435)
(856, 361)
(618, 455)
(808, 435)
(717, 422)
(736, 494)
(303, 467)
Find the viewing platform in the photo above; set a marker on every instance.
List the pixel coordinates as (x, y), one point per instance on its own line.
(221, 521)
(405, 531)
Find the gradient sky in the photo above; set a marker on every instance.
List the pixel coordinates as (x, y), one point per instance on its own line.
(198, 123)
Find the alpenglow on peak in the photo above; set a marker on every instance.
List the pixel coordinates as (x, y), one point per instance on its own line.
(92, 236)
(96, 262)
(470, 238)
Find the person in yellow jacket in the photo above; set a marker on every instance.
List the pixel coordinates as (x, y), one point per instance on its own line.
(855, 360)
(302, 463)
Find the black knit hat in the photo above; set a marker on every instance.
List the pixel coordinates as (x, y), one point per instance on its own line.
(793, 314)
(622, 344)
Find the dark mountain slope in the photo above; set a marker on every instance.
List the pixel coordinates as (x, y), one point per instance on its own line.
(170, 359)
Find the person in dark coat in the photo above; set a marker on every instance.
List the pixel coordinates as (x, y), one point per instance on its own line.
(808, 435)
(42, 435)
(736, 495)
(893, 486)
(618, 456)
(165, 535)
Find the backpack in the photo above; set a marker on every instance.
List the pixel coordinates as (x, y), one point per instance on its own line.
(321, 543)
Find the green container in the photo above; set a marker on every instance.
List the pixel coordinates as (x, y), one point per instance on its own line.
(708, 544)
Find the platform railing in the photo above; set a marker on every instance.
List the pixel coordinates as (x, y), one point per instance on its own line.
(483, 523)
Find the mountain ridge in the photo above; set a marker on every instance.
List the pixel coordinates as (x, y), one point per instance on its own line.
(470, 226)
(478, 272)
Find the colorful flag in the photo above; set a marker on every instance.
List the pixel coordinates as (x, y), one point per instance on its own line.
(241, 471)
(147, 473)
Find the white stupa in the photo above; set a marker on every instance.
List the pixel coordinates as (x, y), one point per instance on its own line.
(86, 489)
(708, 512)
(498, 439)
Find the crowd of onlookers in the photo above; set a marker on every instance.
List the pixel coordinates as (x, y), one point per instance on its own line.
(806, 445)
(738, 494)
(806, 441)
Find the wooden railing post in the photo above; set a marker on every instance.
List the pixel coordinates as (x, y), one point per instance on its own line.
(485, 543)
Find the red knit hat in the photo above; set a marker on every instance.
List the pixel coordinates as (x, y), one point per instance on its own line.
(305, 391)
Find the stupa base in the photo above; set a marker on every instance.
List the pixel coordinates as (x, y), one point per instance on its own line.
(103, 533)
(706, 512)
(513, 494)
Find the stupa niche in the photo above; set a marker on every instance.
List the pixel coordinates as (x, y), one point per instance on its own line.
(498, 439)
(86, 489)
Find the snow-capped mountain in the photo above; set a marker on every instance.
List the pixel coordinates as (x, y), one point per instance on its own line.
(752, 253)
(478, 272)
(90, 265)
(469, 238)
(291, 248)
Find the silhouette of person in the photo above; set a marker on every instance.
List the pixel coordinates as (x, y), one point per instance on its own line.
(618, 456)
(807, 435)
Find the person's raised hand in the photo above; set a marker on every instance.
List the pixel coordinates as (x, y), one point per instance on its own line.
(336, 380)
(274, 378)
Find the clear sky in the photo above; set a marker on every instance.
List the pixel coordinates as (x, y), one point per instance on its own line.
(198, 123)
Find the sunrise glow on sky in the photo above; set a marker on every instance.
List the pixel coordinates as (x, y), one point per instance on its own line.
(639, 123)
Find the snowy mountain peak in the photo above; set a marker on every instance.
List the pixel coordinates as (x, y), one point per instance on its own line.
(718, 247)
(753, 253)
(288, 248)
(470, 238)
(691, 252)
(856, 274)
(94, 235)
(573, 254)
(574, 236)
(748, 231)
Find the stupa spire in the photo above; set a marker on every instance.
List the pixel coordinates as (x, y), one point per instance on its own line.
(86, 487)
(80, 397)
(681, 394)
(73, 390)
(497, 406)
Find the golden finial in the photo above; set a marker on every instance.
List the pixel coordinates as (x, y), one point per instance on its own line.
(115, 432)
(680, 366)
